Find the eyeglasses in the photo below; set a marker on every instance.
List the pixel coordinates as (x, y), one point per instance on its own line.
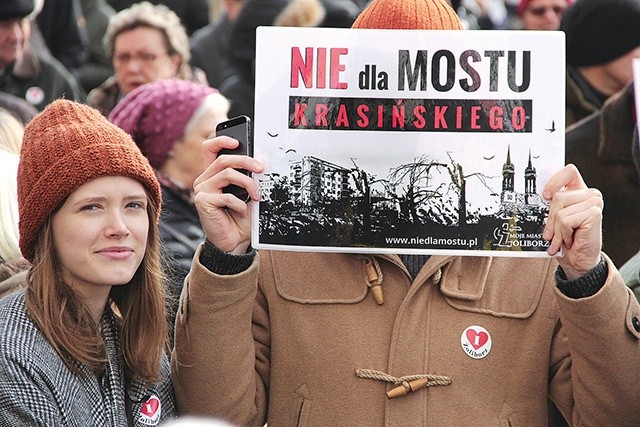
(146, 58)
(539, 11)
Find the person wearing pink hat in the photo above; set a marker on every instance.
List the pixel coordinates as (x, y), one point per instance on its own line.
(542, 14)
(169, 119)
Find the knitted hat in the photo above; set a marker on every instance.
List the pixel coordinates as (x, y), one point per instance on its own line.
(408, 15)
(13, 9)
(65, 146)
(524, 4)
(156, 115)
(599, 31)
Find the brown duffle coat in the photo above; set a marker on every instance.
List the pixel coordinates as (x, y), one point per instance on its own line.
(299, 348)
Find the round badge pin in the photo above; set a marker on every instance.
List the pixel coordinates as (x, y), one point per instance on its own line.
(150, 411)
(476, 341)
(34, 95)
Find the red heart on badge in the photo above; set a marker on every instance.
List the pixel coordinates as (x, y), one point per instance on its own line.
(150, 407)
(477, 339)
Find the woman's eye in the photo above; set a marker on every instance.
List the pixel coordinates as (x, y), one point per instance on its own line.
(136, 205)
(89, 207)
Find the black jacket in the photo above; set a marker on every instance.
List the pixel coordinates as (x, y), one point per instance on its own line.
(210, 51)
(601, 147)
(40, 79)
(180, 233)
(61, 23)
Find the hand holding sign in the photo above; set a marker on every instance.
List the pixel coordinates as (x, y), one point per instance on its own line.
(575, 221)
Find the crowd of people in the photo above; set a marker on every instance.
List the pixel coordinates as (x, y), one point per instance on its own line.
(129, 290)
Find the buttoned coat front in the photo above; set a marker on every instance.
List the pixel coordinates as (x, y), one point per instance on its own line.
(293, 349)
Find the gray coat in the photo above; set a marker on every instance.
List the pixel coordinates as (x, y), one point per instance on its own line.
(38, 389)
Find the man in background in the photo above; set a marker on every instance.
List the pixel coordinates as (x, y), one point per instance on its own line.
(542, 14)
(35, 77)
(603, 38)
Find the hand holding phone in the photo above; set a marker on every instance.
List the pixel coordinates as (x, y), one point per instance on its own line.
(238, 128)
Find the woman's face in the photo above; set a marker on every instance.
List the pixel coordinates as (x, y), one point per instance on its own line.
(187, 160)
(100, 233)
(619, 72)
(141, 56)
(543, 14)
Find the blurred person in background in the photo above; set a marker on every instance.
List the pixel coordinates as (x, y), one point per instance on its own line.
(169, 120)
(339, 13)
(17, 106)
(488, 14)
(11, 261)
(603, 38)
(542, 14)
(11, 132)
(12, 264)
(31, 75)
(301, 13)
(239, 87)
(98, 67)
(59, 27)
(211, 45)
(145, 42)
(601, 145)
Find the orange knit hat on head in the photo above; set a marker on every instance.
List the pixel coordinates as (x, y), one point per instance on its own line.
(408, 15)
(65, 146)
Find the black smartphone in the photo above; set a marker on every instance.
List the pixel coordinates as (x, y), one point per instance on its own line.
(238, 128)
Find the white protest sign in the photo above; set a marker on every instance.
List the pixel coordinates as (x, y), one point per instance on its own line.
(407, 141)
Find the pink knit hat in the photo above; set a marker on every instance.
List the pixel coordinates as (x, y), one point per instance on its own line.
(156, 115)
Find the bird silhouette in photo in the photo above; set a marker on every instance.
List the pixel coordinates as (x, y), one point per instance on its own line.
(553, 126)
(289, 150)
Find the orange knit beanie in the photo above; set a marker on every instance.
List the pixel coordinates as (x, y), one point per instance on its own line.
(65, 146)
(408, 15)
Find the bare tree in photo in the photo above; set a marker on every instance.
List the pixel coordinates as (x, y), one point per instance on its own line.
(363, 181)
(418, 190)
(459, 183)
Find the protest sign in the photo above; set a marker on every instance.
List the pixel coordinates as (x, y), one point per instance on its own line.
(407, 141)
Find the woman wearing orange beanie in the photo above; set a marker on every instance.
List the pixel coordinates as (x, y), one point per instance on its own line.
(84, 343)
